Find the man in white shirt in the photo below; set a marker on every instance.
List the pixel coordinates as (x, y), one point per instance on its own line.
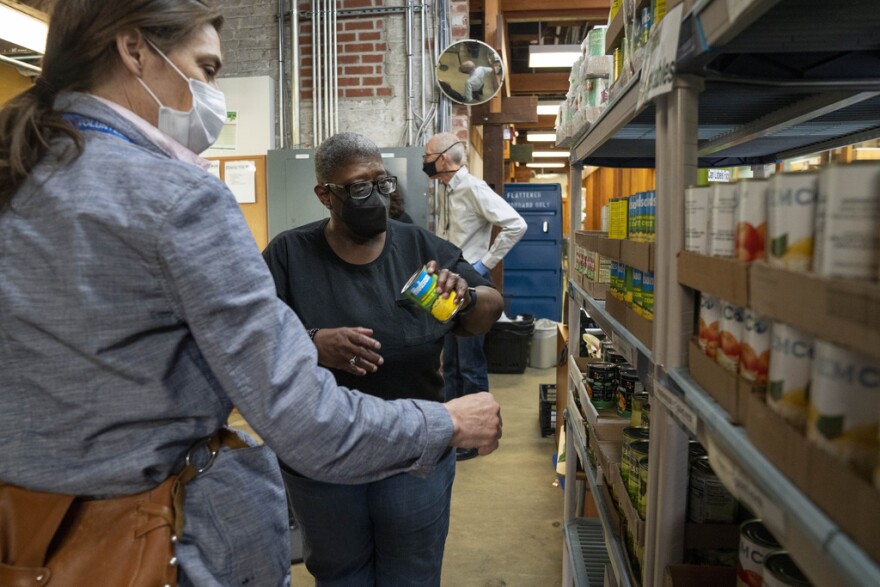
(469, 209)
(473, 86)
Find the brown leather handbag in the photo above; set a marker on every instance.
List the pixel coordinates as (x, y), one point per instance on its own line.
(56, 540)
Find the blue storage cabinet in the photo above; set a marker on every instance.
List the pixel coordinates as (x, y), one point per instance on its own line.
(533, 268)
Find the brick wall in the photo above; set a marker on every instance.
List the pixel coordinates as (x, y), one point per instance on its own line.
(249, 37)
(460, 25)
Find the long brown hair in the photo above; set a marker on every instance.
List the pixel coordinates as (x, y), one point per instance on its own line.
(80, 51)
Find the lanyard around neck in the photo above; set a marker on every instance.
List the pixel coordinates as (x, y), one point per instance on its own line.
(90, 124)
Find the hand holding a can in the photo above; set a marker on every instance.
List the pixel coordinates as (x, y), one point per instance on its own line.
(351, 349)
(476, 419)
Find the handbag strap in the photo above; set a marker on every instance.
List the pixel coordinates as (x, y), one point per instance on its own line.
(44, 514)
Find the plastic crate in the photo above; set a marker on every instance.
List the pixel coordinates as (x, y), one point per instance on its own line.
(507, 345)
(547, 408)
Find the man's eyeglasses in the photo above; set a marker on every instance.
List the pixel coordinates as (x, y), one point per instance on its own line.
(361, 190)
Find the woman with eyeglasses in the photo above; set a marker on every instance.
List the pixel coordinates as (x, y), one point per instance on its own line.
(343, 276)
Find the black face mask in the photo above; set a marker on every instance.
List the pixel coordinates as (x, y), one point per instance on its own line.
(430, 169)
(367, 217)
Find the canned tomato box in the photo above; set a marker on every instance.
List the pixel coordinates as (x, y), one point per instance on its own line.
(709, 335)
(696, 219)
(754, 352)
(751, 219)
(722, 220)
(421, 288)
(844, 407)
(755, 543)
(788, 381)
(732, 328)
(847, 221)
(791, 218)
(781, 571)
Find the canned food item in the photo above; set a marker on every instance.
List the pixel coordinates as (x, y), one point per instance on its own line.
(628, 287)
(722, 220)
(732, 328)
(754, 352)
(709, 335)
(652, 215)
(631, 435)
(788, 381)
(602, 384)
(791, 215)
(421, 289)
(847, 217)
(646, 416)
(751, 219)
(637, 450)
(781, 571)
(642, 501)
(639, 401)
(843, 413)
(708, 499)
(648, 295)
(613, 356)
(637, 291)
(755, 543)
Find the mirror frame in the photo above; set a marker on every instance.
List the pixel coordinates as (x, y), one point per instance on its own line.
(486, 57)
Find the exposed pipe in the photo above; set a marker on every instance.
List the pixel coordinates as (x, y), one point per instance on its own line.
(280, 107)
(424, 16)
(21, 64)
(410, 97)
(294, 73)
(334, 74)
(315, 86)
(326, 114)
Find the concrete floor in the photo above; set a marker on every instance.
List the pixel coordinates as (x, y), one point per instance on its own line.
(506, 526)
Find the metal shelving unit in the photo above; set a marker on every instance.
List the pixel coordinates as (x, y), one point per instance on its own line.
(756, 81)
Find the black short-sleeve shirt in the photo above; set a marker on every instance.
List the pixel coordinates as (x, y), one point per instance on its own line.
(327, 292)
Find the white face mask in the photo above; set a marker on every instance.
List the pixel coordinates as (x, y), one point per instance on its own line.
(198, 128)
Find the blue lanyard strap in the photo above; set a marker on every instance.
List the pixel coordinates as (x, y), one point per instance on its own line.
(86, 123)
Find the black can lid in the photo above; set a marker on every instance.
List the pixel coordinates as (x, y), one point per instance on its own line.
(781, 566)
(757, 532)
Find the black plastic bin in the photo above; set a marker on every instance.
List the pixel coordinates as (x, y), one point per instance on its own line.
(507, 345)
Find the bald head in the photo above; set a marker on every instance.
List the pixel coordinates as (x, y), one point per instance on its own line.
(448, 144)
(467, 67)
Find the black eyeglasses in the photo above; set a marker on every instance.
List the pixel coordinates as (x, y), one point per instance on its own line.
(361, 190)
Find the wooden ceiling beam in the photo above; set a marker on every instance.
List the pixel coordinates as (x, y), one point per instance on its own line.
(539, 83)
(508, 6)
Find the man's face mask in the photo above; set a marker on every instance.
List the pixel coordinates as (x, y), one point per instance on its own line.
(430, 167)
(198, 128)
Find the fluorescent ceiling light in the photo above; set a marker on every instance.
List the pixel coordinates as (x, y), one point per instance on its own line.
(557, 154)
(553, 55)
(547, 165)
(867, 149)
(545, 108)
(22, 29)
(541, 137)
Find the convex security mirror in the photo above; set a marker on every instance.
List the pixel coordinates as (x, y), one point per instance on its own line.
(470, 72)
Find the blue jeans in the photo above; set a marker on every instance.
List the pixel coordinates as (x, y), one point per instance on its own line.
(388, 532)
(464, 366)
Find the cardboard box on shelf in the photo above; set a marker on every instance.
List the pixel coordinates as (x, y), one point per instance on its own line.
(609, 247)
(727, 279)
(596, 290)
(640, 327)
(711, 536)
(638, 255)
(843, 312)
(617, 309)
(630, 515)
(699, 576)
(730, 391)
(848, 499)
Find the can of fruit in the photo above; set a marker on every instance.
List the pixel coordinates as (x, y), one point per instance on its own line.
(754, 352)
(751, 219)
(722, 220)
(709, 336)
(696, 219)
(637, 450)
(791, 215)
(648, 295)
(631, 435)
(708, 499)
(788, 381)
(642, 500)
(847, 217)
(844, 406)
(602, 382)
(421, 289)
(755, 543)
(781, 571)
(732, 326)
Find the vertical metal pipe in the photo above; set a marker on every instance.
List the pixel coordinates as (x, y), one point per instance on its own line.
(410, 97)
(294, 73)
(315, 86)
(326, 19)
(334, 73)
(280, 107)
(422, 16)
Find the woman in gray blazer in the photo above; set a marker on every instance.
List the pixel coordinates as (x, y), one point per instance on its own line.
(136, 311)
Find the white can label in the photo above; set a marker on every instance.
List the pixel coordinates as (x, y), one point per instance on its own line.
(722, 221)
(791, 360)
(791, 213)
(751, 219)
(732, 325)
(696, 220)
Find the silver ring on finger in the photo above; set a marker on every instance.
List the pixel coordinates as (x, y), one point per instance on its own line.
(353, 361)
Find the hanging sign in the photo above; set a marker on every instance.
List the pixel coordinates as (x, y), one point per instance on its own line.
(658, 69)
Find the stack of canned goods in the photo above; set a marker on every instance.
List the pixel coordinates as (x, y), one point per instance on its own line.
(601, 381)
(628, 385)
(708, 499)
(761, 561)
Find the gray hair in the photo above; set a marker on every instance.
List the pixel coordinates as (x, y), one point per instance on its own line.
(456, 153)
(341, 150)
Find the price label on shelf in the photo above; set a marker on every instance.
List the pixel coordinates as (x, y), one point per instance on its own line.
(745, 490)
(678, 408)
(625, 349)
(661, 52)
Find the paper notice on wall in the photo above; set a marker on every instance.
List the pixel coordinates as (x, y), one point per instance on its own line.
(214, 168)
(228, 138)
(241, 179)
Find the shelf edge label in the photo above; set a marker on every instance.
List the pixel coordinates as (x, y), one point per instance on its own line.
(658, 69)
